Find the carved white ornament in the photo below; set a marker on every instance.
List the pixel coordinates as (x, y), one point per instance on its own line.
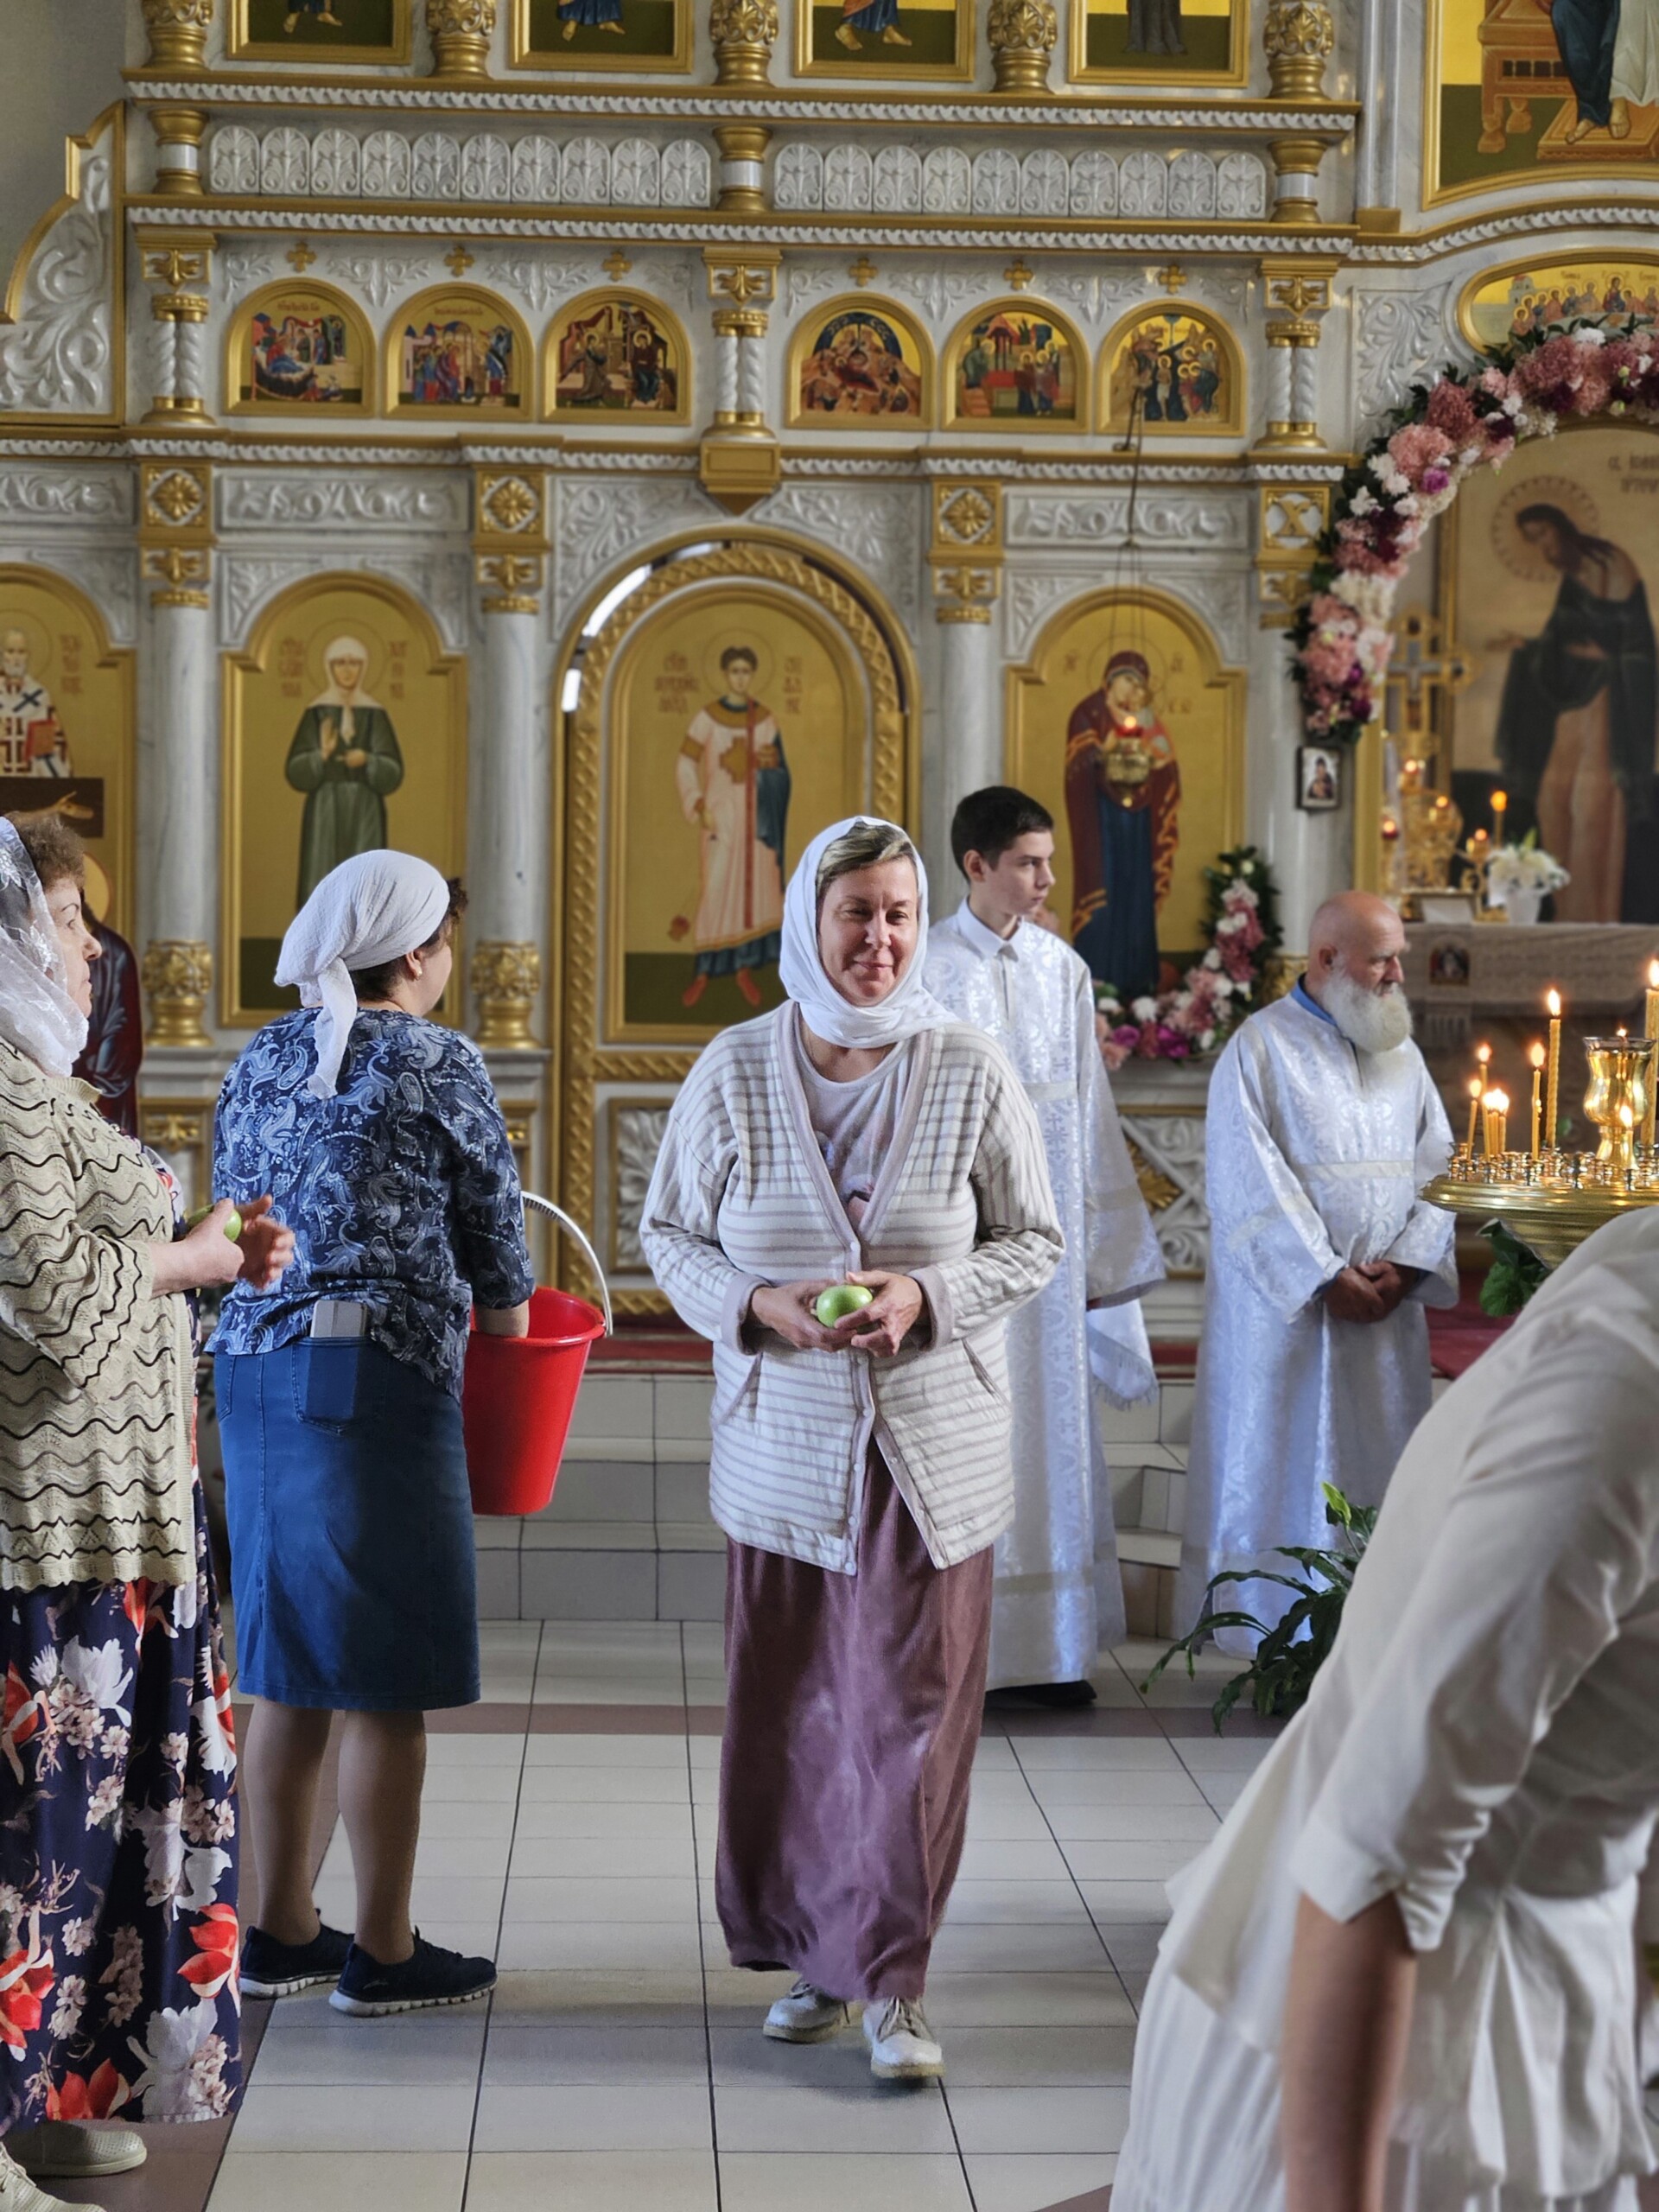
(57, 357)
(1220, 596)
(801, 285)
(878, 527)
(1398, 334)
(1162, 518)
(240, 268)
(639, 1133)
(108, 576)
(64, 495)
(484, 167)
(258, 500)
(596, 524)
(441, 582)
(383, 276)
(1190, 185)
(1173, 1145)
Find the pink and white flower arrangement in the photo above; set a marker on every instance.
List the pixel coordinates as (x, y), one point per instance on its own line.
(1219, 989)
(1467, 419)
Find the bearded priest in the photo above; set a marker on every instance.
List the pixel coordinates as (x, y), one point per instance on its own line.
(1324, 1125)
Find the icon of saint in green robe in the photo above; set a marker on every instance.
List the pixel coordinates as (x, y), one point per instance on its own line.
(345, 758)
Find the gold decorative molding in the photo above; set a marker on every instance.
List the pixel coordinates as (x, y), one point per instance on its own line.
(175, 499)
(742, 176)
(1298, 295)
(1022, 35)
(178, 979)
(460, 31)
(965, 553)
(738, 275)
(1296, 160)
(1159, 1191)
(183, 571)
(182, 1125)
(740, 466)
(179, 132)
(1290, 520)
(1298, 38)
(177, 30)
(506, 978)
(510, 543)
(744, 33)
(512, 581)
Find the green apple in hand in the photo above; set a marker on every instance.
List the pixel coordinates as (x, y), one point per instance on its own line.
(840, 1300)
(232, 1221)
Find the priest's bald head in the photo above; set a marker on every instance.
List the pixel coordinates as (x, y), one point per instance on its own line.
(1354, 947)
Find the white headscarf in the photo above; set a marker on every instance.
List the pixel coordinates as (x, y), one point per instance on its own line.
(332, 696)
(906, 1008)
(37, 1014)
(374, 908)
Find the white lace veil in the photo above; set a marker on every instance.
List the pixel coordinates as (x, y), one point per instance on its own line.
(36, 1012)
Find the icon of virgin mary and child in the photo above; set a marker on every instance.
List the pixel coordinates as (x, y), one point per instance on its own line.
(345, 759)
(1122, 795)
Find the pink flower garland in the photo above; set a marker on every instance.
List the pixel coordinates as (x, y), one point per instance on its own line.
(1188, 1021)
(1466, 421)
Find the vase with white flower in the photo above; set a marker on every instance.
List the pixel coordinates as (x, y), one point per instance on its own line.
(1519, 878)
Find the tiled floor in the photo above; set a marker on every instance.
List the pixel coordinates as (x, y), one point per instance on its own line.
(620, 2067)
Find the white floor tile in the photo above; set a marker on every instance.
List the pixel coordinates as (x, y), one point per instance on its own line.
(665, 2117)
(351, 2119)
(1005, 2183)
(862, 2115)
(262, 2181)
(1049, 1903)
(552, 1943)
(1024, 2120)
(763, 2182)
(589, 2181)
(636, 1899)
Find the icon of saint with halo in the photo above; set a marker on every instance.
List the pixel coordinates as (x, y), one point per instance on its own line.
(733, 784)
(1123, 793)
(345, 759)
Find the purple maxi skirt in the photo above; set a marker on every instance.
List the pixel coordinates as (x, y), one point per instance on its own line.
(852, 1709)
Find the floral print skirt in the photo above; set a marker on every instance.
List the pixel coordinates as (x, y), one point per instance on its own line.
(117, 1853)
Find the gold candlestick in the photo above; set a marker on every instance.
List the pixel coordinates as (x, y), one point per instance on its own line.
(1535, 1058)
(1617, 1101)
(1552, 1072)
(1650, 1025)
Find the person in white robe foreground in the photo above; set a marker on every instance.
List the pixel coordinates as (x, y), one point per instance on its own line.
(1057, 1593)
(1401, 1978)
(1323, 1126)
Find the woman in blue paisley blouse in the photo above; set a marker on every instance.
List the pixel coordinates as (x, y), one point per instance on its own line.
(380, 1137)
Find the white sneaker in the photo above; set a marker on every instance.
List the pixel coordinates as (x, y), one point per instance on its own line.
(68, 2150)
(806, 2015)
(19, 2194)
(902, 2048)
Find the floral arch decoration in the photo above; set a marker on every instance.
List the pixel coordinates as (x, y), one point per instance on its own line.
(1466, 419)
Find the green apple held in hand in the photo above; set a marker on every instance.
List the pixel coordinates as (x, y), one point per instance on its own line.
(840, 1300)
(232, 1221)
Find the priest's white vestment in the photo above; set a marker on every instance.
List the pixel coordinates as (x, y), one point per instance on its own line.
(1314, 1153)
(1058, 1595)
(1482, 1744)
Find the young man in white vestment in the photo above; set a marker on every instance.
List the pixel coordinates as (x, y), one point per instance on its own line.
(1058, 1595)
(1402, 1977)
(1323, 1126)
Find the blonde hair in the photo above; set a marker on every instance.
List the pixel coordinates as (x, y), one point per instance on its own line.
(866, 844)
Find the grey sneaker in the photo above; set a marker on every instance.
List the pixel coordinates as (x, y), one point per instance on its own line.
(902, 2048)
(62, 2150)
(19, 2194)
(807, 2014)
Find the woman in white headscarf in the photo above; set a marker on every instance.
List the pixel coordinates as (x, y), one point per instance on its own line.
(861, 1470)
(345, 759)
(117, 1818)
(339, 1400)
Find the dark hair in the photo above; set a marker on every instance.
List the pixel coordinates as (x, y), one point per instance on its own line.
(1575, 543)
(740, 652)
(53, 849)
(988, 822)
(377, 983)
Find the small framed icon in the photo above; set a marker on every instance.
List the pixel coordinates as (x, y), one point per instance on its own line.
(1318, 779)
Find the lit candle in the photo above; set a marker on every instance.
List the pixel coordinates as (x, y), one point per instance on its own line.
(1650, 1025)
(1475, 1088)
(1497, 1127)
(1553, 1074)
(1484, 1062)
(1500, 808)
(1536, 1055)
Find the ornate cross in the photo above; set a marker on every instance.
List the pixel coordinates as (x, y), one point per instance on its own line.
(862, 271)
(1018, 276)
(1171, 278)
(616, 265)
(1421, 667)
(459, 259)
(301, 256)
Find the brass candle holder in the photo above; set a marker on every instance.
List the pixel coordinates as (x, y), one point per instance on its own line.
(1552, 1199)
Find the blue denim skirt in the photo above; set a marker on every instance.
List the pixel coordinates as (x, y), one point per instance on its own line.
(351, 1561)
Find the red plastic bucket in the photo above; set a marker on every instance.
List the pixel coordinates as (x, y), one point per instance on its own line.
(516, 1399)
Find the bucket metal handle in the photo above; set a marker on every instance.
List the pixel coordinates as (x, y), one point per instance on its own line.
(557, 1213)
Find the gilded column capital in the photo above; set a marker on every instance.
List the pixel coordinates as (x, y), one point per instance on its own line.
(179, 132)
(178, 33)
(178, 980)
(176, 529)
(511, 582)
(1022, 35)
(460, 32)
(744, 33)
(1298, 37)
(1290, 520)
(965, 553)
(505, 978)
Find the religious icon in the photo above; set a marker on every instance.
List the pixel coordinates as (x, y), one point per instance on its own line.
(66, 732)
(602, 33)
(737, 728)
(1318, 780)
(1167, 41)
(904, 38)
(344, 31)
(1016, 365)
(853, 362)
(1171, 369)
(1144, 769)
(460, 352)
(734, 784)
(1122, 803)
(1517, 86)
(344, 734)
(299, 346)
(1448, 966)
(1537, 297)
(619, 354)
(345, 758)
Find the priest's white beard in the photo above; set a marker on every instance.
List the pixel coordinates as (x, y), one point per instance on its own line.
(1372, 1021)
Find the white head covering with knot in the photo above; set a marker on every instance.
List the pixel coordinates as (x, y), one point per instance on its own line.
(37, 1014)
(906, 1008)
(374, 908)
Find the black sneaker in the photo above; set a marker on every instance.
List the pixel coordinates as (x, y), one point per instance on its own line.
(273, 1969)
(430, 1975)
(1057, 1697)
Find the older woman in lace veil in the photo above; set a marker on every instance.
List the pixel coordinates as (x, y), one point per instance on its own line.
(118, 1824)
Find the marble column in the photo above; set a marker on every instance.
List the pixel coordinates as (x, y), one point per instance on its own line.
(178, 801)
(969, 752)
